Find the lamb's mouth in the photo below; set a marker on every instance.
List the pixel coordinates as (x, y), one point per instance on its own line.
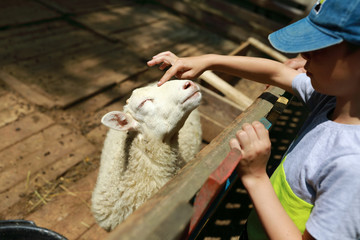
(192, 95)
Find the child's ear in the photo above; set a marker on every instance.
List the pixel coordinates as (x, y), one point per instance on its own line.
(119, 121)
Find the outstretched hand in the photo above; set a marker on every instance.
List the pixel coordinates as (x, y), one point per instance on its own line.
(181, 68)
(254, 144)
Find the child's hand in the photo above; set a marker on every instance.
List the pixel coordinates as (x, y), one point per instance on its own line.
(297, 63)
(254, 144)
(181, 68)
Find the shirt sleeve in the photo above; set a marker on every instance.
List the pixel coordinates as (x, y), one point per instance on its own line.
(336, 212)
(305, 92)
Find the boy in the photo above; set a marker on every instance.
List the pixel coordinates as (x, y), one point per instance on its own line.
(315, 192)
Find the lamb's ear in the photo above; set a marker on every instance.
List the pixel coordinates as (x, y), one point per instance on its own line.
(119, 121)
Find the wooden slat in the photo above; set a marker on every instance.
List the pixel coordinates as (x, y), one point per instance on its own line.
(279, 7)
(23, 128)
(9, 156)
(174, 223)
(69, 213)
(216, 14)
(38, 179)
(119, 19)
(11, 108)
(8, 100)
(59, 76)
(229, 91)
(218, 108)
(175, 36)
(26, 91)
(14, 12)
(210, 128)
(158, 35)
(83, 6)
(51, 151)
(42, 39)
(189, 180)
(95, 232)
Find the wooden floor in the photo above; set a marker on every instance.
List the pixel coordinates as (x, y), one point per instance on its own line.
(64, 64)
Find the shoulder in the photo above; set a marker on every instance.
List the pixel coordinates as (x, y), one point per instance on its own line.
(304, 90)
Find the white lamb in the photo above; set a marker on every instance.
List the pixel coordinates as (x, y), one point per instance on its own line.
(147, 143)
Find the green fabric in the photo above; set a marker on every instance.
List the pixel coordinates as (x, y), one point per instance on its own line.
(298, 210)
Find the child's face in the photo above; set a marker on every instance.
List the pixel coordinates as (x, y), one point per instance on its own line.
(334, 70)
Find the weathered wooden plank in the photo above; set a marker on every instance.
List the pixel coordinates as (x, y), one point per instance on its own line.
(82, 66)
(23, 128)
(189, 180)
(13, 113)
(36, 180)
(60, 214)
(173, 35)
(217, 108)
(51, 151)
(118, 19)
(279, 7)
(159, 34)
(225, 88)
(210, 128)
(95, 232)
(23, 43)
(8, 100)
(9, 156)
(20, 34)
(14, 12)
(26, 91)
(79, 219)
(13, 107)
(174, 223)
(225, 18)
(83, 6)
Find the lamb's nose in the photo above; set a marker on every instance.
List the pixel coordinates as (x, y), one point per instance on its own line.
(187, 85)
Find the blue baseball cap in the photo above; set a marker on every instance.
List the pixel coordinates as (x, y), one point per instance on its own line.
(329, 22)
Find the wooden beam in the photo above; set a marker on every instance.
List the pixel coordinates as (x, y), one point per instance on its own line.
(268, 50)
(229, 91)
(26, 91)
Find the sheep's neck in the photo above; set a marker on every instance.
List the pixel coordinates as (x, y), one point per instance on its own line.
(156, 156)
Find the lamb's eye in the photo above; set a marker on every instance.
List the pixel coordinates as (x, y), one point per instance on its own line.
(143, 102)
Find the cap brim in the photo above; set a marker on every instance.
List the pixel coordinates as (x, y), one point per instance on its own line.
(302, 36)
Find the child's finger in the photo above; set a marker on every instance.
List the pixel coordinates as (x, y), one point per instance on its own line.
(166, 53)
(251, 137)
(234, 144)
(168, 59)
(260, 130)
(168, 75)
(243, 139)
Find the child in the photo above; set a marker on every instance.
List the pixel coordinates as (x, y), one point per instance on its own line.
(315, 192)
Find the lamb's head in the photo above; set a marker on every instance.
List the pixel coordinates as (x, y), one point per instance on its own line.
(158, 112)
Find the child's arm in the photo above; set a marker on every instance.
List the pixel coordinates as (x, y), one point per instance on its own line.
(257, 69)
(254, 144)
